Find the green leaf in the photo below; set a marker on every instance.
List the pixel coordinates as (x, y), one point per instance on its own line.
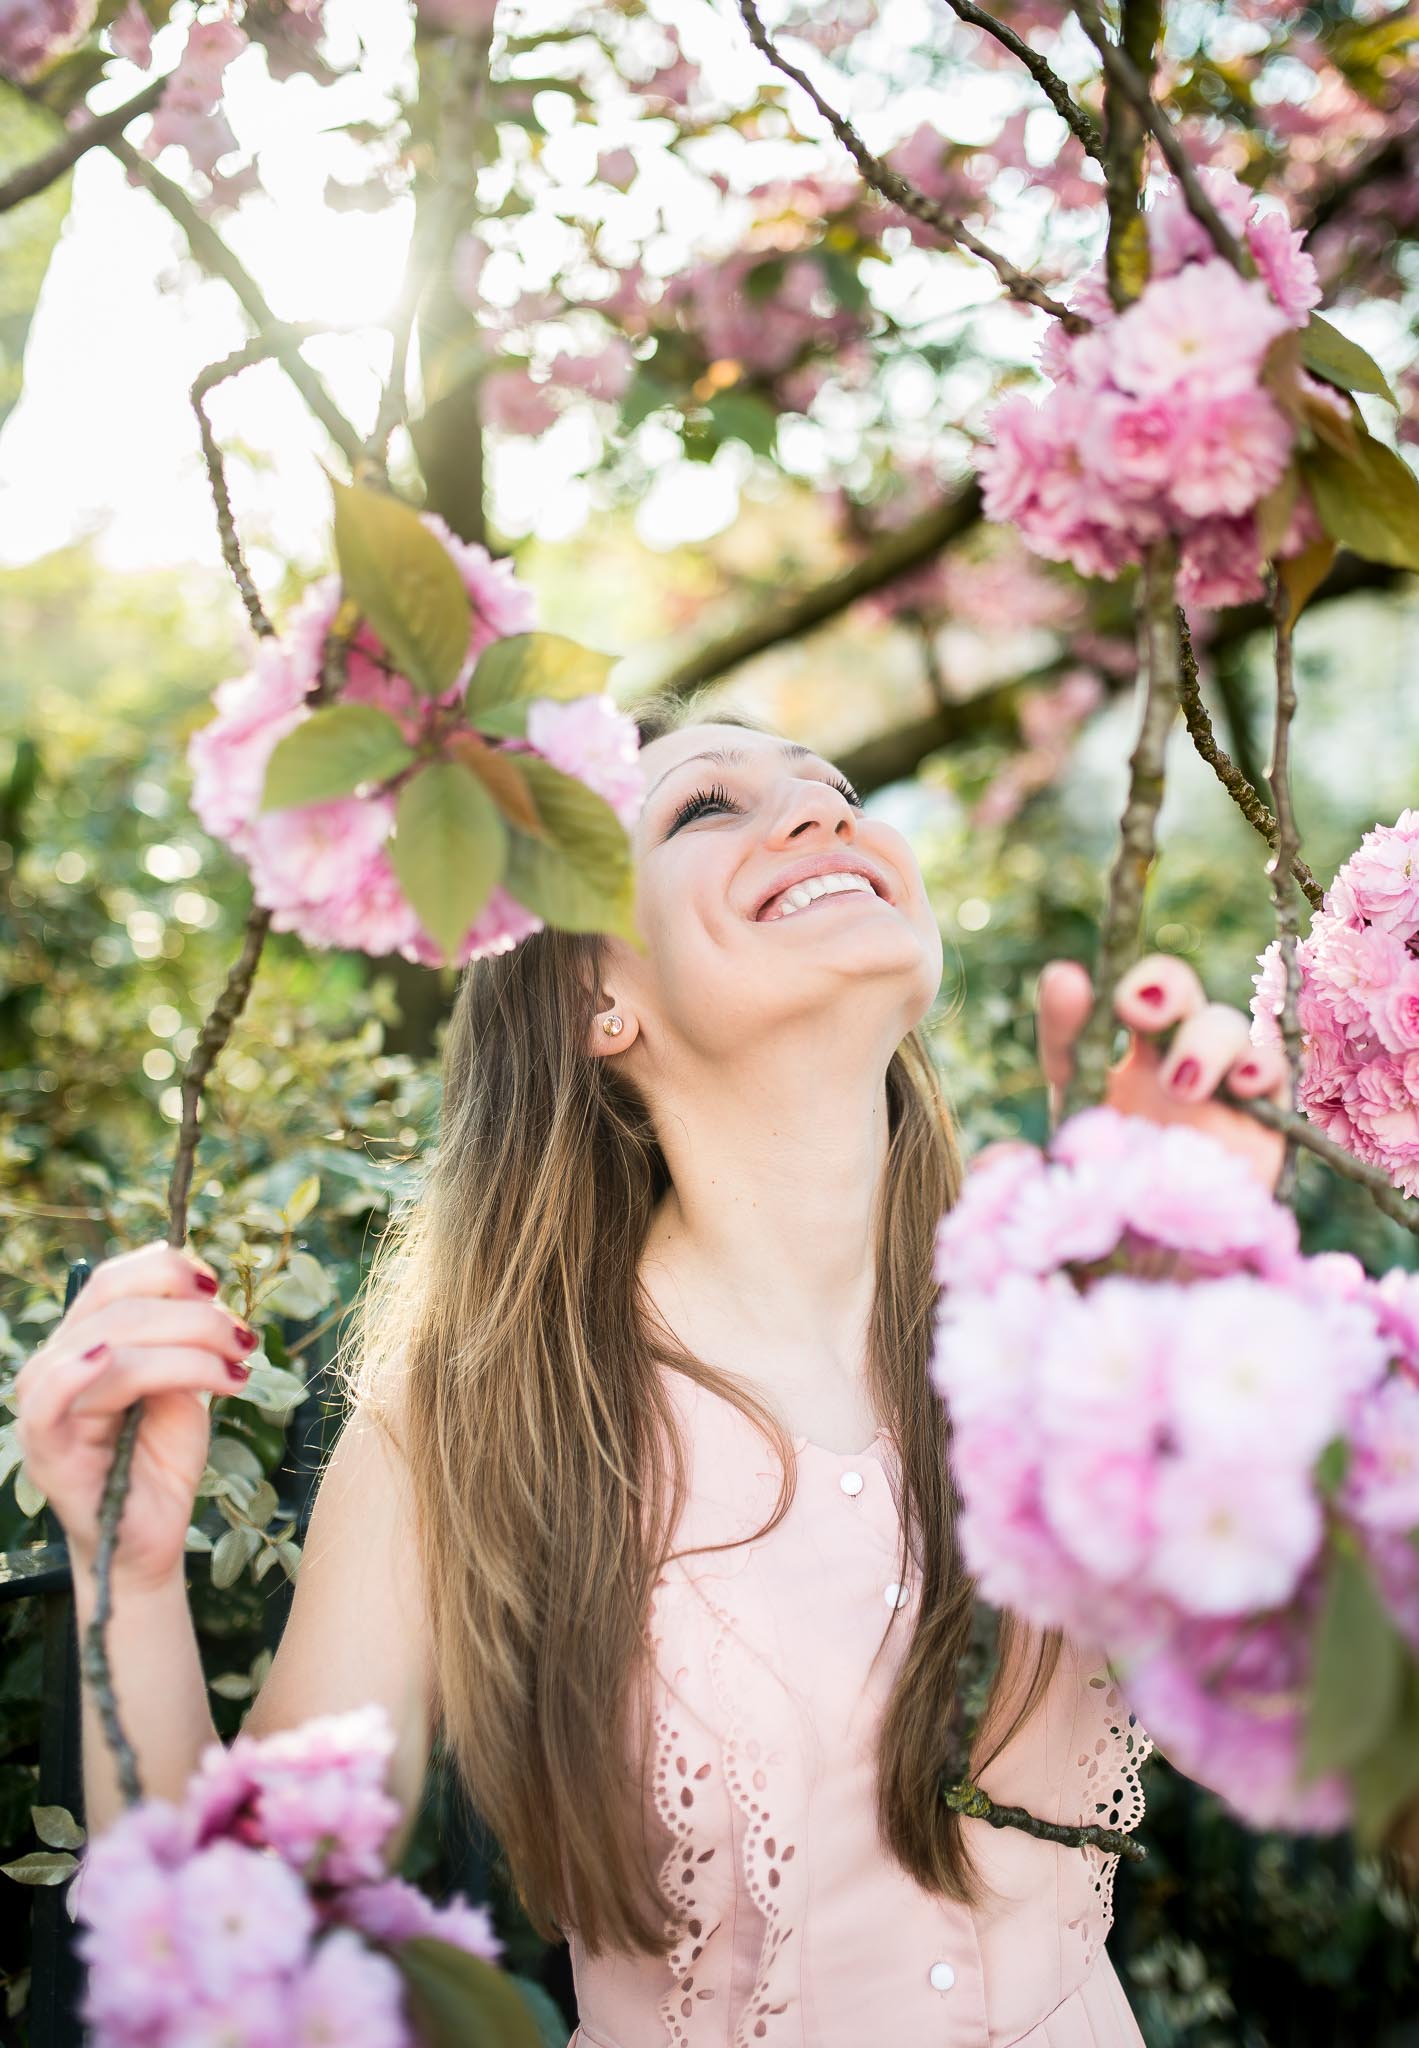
(449, 849)
(527, 665)
(28, 232)
(1359, 1669)
(302, 1289)
(1385, 1780)
(1332, 1465)
(457, 2000)
(580, 879)
(303, 1199)
(405, 584)
(56, 1826)
(44, 1867)
(331, 753)
(739, 416)
(505, 721)
(1328, 353)
(1368, 501)
(551, 2025)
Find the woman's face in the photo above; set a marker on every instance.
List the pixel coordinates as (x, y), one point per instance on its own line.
(728, 959)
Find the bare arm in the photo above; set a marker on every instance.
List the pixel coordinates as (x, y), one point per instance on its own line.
(358, 1629)
(356, 1635)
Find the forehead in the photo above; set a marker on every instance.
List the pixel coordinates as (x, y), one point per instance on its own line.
(659, 757)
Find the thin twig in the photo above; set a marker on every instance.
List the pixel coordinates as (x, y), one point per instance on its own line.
(1126, 257)
(1122, 72)
(42, 171)
(892, 186)
(1278, 868)
(212, 252)
(1243, 795)
(1292, 1124)
(1081, 123)
(978, 1805)
(217, 1029)
(1118, 935)
(258, 350)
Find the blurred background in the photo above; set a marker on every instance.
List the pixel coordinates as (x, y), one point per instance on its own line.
(717, 402)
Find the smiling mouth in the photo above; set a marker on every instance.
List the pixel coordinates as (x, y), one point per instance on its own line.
(832, 896)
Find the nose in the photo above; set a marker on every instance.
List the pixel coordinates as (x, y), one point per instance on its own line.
(814, 806)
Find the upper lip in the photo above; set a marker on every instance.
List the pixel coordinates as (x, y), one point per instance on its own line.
(825, 864)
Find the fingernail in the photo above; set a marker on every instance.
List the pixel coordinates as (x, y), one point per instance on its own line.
(247, 1338)
(208, 1282)
(237, 1371)
(95, 1351)
(1151, 994)
(1184, 1075)
(1248, 1070)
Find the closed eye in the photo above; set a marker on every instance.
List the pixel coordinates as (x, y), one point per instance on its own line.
(717, 797)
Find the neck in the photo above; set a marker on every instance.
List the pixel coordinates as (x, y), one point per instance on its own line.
(765, 1237)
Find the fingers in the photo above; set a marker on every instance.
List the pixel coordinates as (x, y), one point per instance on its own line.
(149, 1269)
(1062, 1000)
(1262, 1070)
(1157, 991)
(130, 1372)
(1205, 1047)
(146, 1322)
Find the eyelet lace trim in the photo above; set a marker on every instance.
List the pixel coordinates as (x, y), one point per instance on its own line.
(1111, 1795)
(753, 1772)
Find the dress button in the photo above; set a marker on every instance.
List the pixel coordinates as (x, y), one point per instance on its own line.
(851, 1482)
(896, 1596)
(942, 1976)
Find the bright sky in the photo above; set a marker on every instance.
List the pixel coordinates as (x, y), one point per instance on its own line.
(103, 441)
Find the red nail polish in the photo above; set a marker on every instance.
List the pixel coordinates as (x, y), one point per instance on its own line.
(247, 1338)
(1151, 994)
(95, 1351)
(207, 1282)
(1248, 1071)
(237, 1371)
(1185, 1074)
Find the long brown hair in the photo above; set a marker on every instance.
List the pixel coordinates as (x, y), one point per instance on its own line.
(504, 1339)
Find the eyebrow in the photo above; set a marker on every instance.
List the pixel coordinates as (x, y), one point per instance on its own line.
(731, 757)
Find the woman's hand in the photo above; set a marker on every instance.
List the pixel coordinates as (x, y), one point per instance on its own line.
(147, 1324)
(1172, 1082)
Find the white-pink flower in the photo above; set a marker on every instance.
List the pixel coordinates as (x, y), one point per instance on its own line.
(591, 738)
(1201, 332)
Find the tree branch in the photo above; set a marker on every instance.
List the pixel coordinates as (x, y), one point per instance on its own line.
(1125, 75)
(212, 253)
(1081, 122)
(1243, 795)
(892, 556)
(255, 351)
(43, 171)
(1296, 1127)
(882, 178)
(1118, 934)
(1278, 868)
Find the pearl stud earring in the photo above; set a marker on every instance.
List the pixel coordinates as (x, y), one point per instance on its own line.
(613, 1024)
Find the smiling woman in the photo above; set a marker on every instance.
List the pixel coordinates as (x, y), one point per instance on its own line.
(664, 1313)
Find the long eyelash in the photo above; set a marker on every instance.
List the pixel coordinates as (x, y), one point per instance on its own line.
(702, 800)
(718, 796)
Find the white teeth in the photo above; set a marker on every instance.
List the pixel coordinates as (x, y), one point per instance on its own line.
(803, 893)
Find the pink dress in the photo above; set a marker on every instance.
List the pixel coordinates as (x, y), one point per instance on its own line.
(772, 1673)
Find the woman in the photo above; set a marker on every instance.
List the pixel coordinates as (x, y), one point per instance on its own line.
(643, 1495)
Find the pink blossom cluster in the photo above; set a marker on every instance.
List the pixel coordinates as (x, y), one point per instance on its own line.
(1142, 1372)
(1158, 421)
(1358, 1006)
(324, 869)
(254, 1912)
(766, 320)
(33, 33)
(190, 110)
